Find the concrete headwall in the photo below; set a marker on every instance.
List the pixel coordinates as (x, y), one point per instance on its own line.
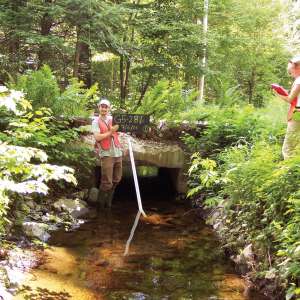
(166, 155)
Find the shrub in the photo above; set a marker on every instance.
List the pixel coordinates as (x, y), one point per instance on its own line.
(40, 129)
(41, 88)
(241, 171)
(259, 196)
(76, 100)
(23, 169)
(237, 125)
(166, 100)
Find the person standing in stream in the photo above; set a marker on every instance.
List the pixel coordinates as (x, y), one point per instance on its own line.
(292, 136)
(109, 149)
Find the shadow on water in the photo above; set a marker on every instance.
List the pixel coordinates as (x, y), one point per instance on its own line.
(170, 254)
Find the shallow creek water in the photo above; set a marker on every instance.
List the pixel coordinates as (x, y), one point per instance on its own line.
(172, 255)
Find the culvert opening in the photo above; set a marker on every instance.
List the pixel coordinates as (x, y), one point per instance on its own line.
(154, 183)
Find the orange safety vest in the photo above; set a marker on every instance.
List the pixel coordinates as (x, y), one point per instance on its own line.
(292, 109)
(105, 144)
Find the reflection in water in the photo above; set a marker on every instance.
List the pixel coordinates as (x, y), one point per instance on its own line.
(136, 221)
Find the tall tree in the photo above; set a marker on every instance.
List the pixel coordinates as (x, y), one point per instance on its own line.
(244, 50)
(167, 43)
(14, 23)
(46, 23)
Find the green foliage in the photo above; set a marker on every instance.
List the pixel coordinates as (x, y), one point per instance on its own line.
(75, 100)
(166, 101)
(236, 125)
(23, 169)
(151, 41)
(204, 177)
(256, 190)
(170, 41)
(231, 126)
(38, 128)
(245, 49)
(262, 201)
(105, 73)
(260, 197)
(41, 88)
(226, 126)
(192, 143)
(227, 95)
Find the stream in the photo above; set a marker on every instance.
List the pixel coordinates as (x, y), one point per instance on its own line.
(171, 255)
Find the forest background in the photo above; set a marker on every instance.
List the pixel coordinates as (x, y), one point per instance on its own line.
(146, 56)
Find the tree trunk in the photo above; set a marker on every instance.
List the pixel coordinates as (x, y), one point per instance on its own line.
(122, 90)
(204, 63)
(14, 42)
(126, 78)
(13, 47)
(46, 24)
(144, 89)
(77, 55)
(128, 64)
(85, 65)
(82, 60)
(251, 85)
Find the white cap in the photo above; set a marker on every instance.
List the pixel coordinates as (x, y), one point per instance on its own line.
(104, 101)
(295, 59)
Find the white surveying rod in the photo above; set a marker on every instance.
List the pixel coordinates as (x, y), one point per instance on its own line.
(136, 183)
(137, 217)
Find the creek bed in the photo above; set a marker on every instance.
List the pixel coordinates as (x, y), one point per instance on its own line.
(172, 255)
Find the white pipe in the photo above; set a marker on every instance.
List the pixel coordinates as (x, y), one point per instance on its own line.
(136, 183)
(137, 217)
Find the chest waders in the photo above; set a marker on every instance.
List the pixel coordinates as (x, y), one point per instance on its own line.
(105, 196)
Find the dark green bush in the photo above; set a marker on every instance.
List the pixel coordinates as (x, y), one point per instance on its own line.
(40, 87)
(166, 100)
(42, 90)
(237, 125)
(245, 175)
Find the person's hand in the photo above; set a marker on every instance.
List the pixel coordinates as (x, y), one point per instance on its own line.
(114, 128)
